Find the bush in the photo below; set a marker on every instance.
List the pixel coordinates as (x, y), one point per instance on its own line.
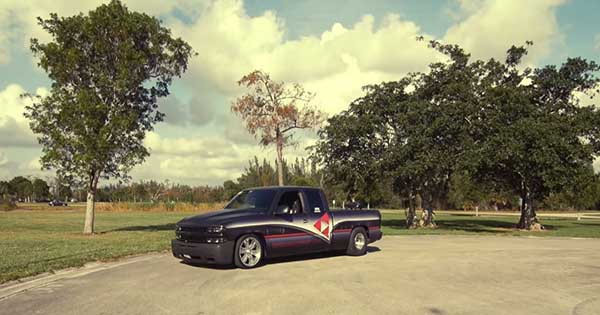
(7, 204)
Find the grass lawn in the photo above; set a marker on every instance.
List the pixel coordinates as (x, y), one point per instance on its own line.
(32, 242)
(37, 241)
(457, 224)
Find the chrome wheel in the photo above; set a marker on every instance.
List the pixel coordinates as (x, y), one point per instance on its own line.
(250, 251)
(359, 241)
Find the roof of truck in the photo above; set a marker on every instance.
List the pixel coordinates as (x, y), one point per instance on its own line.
(282, 187)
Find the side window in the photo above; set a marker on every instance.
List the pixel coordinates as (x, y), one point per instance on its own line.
(315, 203)
(289, 203)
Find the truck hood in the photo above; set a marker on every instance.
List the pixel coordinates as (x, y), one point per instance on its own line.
(220, 217)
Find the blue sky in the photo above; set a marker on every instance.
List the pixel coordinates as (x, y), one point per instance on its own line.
(333, 48)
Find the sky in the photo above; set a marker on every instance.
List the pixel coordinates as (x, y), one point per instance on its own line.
(332, 48)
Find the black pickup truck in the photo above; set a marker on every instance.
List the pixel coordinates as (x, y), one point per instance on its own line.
(273, 221)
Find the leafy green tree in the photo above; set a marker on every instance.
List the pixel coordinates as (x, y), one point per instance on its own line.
(4, 188)
(64, 192)
(513, 131)
(415, 138)
(352, 144)
(108, 68)
(583, 194)
(21, 187)
(41, 190)
(464, 192)
(537, 139)
(257, 174)
(230, 189)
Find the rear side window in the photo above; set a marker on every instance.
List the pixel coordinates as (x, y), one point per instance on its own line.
(315, 203)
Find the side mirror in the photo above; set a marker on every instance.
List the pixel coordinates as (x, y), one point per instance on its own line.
(282, 209)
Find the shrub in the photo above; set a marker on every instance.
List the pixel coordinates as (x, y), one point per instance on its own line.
(7, 204)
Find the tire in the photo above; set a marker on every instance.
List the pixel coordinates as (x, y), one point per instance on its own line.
(248, 252)
(357, 245)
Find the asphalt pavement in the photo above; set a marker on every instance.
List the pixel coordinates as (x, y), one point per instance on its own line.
(400, 275)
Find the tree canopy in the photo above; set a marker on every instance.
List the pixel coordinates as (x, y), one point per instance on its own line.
(108, 69)
(502, 126)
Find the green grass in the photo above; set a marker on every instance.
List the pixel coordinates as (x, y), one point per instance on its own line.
(393, 224)
(33, 242)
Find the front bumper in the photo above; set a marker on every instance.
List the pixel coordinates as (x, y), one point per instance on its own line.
(200, 253)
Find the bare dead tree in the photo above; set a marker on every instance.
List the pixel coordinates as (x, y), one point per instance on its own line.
(272, 110)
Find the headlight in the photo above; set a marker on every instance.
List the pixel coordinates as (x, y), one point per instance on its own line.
(215, 229)
(215, 240)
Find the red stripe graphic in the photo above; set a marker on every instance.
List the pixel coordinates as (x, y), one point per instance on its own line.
(342, 230)
(348, 230)
(285, 235)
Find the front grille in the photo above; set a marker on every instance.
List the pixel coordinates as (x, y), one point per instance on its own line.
(191, 237)
(195, 234)
(196, 229)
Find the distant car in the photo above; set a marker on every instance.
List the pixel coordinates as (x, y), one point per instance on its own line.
(57, 203)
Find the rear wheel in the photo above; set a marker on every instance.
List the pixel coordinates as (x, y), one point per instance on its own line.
(248, 251)
(357, 245)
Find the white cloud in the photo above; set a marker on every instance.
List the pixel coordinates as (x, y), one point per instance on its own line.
(3, 159)
(14, 127)
(235, 130)
(176, 112)
(18, 19)
(335, 64)
(201, 146)
(491, 27)
(590, 98)
(20, 164)
(206, 160)
(232, 44)
(192, 159)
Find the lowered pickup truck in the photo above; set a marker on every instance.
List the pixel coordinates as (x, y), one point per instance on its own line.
(270, 222)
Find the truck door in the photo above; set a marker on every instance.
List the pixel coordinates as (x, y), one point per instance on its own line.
(296, 233)
(317, 215)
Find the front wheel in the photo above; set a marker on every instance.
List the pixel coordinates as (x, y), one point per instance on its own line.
(248, 251)
(357, 246)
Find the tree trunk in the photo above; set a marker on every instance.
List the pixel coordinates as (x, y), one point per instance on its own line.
(280, 159)
(88, 227)
(411, 215)
(528, 220)
(428, 201)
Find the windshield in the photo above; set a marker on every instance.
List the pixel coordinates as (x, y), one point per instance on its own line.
(252, 199)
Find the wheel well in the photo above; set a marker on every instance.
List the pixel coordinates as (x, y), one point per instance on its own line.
(260, 236)
(364, 227)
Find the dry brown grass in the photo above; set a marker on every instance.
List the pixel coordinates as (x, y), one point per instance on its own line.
(159, 207)
(129, 206)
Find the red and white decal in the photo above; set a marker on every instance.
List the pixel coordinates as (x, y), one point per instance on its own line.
(324, 225)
